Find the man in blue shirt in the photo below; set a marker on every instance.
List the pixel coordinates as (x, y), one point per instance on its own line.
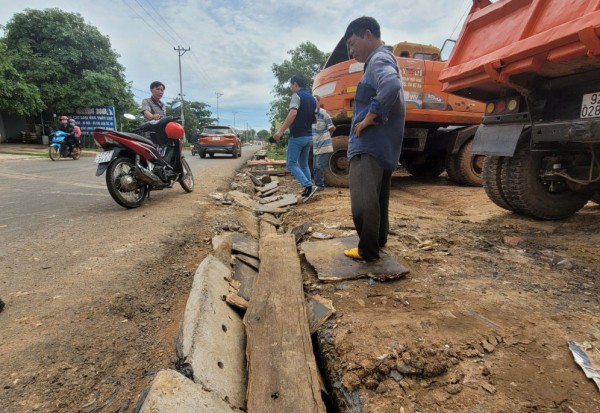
(375, 137)
(300, 118)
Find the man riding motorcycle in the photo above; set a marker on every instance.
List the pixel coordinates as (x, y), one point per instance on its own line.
(66, 127)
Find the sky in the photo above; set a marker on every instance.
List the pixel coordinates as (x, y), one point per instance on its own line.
(234, 43)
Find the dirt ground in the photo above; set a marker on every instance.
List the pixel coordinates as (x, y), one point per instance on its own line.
(481, 322)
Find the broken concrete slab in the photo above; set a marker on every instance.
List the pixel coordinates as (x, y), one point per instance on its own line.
(286, 200)
(271, 220)
(248, 220)
(245, 244)
(222, 245)
(245, 275)
(212, 335)
(328, 259)
(242, 199)
(256, 180)
(267, 187)
(261, 209)
(251, 261)
(171, 392)
(299, 231)
(319, 310)
(268, 199)
(268, 193)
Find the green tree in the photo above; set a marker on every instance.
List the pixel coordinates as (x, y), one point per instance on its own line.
(16, 96)
(263, 134)
(306, 60)
(69, 60)
(196, 114)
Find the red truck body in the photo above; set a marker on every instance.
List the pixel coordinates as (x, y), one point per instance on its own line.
(537, 65)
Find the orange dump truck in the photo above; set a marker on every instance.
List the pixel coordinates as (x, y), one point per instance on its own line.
(537, 65)
(439, 126)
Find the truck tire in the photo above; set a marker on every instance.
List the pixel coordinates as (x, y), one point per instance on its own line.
(452, 169)
(433, 166)
(525, 191)
(337, 171)
(469, 166)
(492, 181)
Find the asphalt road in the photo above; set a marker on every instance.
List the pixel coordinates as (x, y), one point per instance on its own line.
(37, 193)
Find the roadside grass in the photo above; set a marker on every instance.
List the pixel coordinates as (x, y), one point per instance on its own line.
(276, 152)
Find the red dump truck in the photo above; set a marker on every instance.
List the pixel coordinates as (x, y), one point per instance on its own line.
(439, 126)
(537, 65)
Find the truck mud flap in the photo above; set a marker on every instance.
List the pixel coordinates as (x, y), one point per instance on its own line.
(497, 140)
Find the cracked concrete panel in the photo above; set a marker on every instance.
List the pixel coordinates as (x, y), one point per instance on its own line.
(328, 259)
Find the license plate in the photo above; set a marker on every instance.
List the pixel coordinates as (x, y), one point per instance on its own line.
(216, 138)
(590, 105)
(103, 157)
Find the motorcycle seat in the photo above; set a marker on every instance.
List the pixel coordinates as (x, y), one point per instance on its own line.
(131, 136)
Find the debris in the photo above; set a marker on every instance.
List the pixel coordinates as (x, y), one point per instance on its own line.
(320, 235)
(581, 358)
(245, 244)
(489, 388)
(299, 231)
(319, 310)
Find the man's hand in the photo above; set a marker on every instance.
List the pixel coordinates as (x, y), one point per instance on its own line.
(367, 121)
(277, 136)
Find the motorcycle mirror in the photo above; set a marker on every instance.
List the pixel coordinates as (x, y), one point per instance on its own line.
(129, 116)
(176, 105)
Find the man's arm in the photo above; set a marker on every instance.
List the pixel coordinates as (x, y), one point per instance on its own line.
(289, 119)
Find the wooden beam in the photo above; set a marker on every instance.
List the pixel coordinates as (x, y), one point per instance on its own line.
(282, 370)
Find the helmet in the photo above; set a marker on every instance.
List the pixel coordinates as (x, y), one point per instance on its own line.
(71, 120)
(63, 117)
(174, 130)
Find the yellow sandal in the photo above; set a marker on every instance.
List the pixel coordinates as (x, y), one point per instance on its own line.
(353, 253)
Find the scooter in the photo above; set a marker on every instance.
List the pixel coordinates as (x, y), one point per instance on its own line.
(59, 148)
(135, 165)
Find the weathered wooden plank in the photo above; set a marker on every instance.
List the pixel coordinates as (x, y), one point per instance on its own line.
(267, 228)
(283, 374)
(245, 275)
(245, 244)
(319, 310)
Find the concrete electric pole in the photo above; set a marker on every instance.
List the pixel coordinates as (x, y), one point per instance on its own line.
(181, 51)
(218, 95)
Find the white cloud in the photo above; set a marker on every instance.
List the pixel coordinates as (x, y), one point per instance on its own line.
(234, 43)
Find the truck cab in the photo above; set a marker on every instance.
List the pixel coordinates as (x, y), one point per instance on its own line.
(439, 126)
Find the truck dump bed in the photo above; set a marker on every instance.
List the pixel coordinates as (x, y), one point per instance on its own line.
(511, 44)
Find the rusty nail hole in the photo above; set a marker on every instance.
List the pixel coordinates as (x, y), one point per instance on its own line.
(221, 365)
(224, 327)
(275, 395)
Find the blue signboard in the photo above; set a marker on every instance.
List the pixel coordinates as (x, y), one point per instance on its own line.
(89, 119)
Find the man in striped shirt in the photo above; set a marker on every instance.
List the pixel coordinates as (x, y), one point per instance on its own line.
(322, 147)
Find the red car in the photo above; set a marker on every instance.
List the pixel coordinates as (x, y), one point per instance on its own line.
(217, 139)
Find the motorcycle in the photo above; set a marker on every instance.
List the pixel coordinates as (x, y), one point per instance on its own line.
(135, 165)
(59, 148)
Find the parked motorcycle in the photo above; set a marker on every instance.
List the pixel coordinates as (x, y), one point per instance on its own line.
(59, 148)
(135, 165)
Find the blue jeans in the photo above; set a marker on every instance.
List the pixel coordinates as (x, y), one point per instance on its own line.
(320, 162)
(297, 158)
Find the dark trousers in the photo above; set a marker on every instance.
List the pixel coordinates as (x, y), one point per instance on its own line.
(370, 199)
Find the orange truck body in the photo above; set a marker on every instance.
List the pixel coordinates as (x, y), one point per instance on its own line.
(438, 124)
(551, 38)
(537, 65)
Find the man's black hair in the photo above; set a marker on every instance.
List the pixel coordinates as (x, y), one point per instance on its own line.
(359, 26)
(156, 83)
(299, 80)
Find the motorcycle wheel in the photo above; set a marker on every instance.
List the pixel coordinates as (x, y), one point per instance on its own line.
(54, 153)
(187, 179)
(76, 153)
(122, 184)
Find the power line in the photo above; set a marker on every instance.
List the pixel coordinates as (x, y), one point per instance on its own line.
(148, 24)
(166, 23)
(156, 21)
(461, 18)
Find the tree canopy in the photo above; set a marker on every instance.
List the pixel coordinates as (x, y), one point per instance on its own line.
(196, 114)
(306, 60)
(16, 95)
(68, 60)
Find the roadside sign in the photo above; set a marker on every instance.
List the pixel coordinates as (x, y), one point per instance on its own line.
(89, 119)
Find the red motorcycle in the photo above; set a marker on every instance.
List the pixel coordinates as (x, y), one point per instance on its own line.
(135, 165)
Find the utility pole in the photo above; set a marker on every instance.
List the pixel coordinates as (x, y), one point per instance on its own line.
(218, 119)
(234, 119)
(181, 51)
